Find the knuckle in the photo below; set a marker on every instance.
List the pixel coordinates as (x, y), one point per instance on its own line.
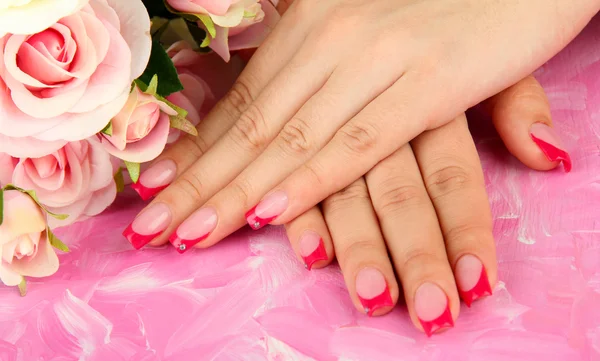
(238, 99)
(346, 198)
(359, 138)
(295, 137)
(241, 190)
(354, 251)
(447, 179)
(471, 235)
(196, 145)
(315, 173)
(305, 9)
(191, 186)
(417, 257)
(398, 197)
(250, 129)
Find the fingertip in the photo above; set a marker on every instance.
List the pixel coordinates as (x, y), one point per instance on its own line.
(522, 117)
(312, 251)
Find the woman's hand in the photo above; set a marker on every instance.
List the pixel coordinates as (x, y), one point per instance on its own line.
(418, 225)
(339, 86)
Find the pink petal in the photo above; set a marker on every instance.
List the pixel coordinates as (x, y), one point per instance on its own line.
(13, 122)
(8, 276)
(135, 29)
(254, 35)
(220, 44)
(28, 147)
(110, 77)
(120, 122)
(101, 199)
(21, 216)
(74, 127)
(101, 166)
(7, 167)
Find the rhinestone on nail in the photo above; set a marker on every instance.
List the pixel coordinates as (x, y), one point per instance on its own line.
(367, 310)
(256, 224)
(182, 247)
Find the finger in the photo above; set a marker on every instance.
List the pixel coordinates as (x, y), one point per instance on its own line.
(412, 233)
(302, 137)
(454, 180)
(270, 58)
(248, 137)
(354, 150)
(521, 115)
(310, 239)
(360, 249)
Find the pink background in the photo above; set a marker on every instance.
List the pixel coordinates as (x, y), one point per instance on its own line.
(250, 299)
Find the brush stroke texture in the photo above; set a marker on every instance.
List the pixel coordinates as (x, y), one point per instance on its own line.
(250, 299)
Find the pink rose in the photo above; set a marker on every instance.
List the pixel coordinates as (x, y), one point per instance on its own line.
(76, 180)
(239, 24)
(24, 243)
(140, 131)
(64, 83)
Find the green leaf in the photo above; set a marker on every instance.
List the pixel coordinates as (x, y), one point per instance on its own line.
(178, 121)
(23, 287)
(60, 217)
(210, 25)
(134, 170)
(205, 19)
(183, 124)
(56, 243)
(200, 36)
(107, 130)
(152, 88)
(161, 65)
(119, 181)
(1, 206)
(159, 26)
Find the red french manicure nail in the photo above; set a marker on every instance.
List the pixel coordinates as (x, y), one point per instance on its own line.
(432, 308)
(444, 321)
(481, 289)
(267, 210)
(472, 279)
(312, 249)
(550, 144)
(148, 225)
(195, 229)
(155, 179)
(372, 290)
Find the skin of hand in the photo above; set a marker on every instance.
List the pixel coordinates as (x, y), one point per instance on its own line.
(418, 225)
(348, 110)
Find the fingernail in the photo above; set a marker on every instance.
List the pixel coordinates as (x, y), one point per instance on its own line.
(155, 179)
(148, 225)
(267, 210)
(472, 279)
(373, 291)
(194, 229)
(312, 249)
(549, 142)
(432, 308)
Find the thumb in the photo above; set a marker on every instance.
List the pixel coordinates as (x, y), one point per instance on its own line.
(521, 115)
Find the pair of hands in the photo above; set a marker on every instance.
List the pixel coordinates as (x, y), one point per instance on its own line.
(365, 78)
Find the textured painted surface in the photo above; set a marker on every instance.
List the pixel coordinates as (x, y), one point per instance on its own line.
(250, 299)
